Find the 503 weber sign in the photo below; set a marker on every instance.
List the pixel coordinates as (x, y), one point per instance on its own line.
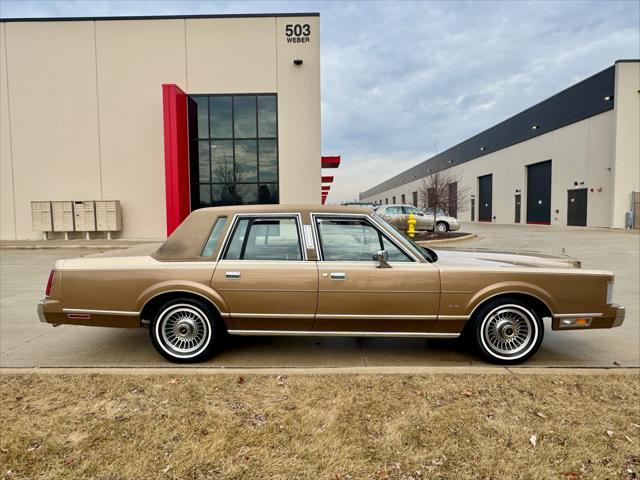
(297, 33)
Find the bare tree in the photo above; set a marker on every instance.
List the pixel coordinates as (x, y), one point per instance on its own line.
(443, 190)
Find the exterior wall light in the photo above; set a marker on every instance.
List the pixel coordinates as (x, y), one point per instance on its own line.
(608, 98)
(297, 62)
(536, 127)
(483, 148)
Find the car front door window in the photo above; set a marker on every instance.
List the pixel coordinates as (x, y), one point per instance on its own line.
(357, 240)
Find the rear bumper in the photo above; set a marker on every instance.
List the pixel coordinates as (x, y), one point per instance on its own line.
(50, 311)
(611, 316)
(41, 316)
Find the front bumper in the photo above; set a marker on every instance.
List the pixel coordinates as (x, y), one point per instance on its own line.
(611, 316)
(454, 226)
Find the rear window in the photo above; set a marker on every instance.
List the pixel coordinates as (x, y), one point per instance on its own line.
(212, 242)
(265, 239)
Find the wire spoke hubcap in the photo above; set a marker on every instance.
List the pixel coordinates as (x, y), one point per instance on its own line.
(184, 329)
(508, 330)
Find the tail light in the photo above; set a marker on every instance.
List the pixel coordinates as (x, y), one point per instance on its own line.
(49, 283)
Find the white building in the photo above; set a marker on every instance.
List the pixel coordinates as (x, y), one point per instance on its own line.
(573, 159)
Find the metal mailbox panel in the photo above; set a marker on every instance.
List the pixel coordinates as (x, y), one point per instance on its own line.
(41, 219)
(85, 216)
(108, 215)
(62, 216)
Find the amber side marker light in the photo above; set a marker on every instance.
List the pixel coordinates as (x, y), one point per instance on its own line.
(49, 283)
(575, 322)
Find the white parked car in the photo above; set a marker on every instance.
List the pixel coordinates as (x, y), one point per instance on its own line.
(424, 218)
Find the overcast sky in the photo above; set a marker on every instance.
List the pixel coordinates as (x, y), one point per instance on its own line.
(404, 80)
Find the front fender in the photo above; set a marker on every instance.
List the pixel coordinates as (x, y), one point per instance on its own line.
(514, 287)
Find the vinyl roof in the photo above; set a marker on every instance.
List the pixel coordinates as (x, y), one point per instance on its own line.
(578, 102)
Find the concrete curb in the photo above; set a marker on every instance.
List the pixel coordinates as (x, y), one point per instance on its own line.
(47, 245)
(466, 370)
(447, 240)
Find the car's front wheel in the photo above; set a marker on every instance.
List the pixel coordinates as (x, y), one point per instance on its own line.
(507, 331)
(442, 227)
(185, 330)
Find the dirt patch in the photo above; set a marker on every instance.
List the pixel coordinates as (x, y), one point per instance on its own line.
(319, 427)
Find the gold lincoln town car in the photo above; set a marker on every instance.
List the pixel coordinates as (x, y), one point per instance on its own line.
(332, 271)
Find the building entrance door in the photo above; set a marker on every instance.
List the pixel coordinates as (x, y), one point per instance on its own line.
(485, 190)
(577, 207)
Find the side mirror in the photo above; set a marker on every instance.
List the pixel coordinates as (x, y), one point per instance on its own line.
(382, 257)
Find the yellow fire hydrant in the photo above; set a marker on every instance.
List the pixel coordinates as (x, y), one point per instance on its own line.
(411, 225)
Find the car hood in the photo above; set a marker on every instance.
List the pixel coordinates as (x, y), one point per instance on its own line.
(478, 257)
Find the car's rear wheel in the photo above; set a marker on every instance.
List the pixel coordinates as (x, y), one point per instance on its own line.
(442, 227)
(507, 331)
(185, 330)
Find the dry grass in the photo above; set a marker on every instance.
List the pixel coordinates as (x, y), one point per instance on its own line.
(319, 427)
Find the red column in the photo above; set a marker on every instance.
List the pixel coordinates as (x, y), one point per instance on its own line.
(176, 155)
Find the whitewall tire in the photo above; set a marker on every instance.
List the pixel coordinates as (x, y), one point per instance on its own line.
(507, 331)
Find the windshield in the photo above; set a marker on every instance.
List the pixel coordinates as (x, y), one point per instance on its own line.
(419, 251)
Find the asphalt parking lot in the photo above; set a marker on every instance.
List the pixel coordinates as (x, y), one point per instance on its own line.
(25, 342)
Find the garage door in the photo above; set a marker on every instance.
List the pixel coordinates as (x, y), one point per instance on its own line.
(539, 193)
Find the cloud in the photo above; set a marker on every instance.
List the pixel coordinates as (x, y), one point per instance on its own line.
(403, 80)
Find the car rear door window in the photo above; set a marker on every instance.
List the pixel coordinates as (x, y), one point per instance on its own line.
(265, 239)
(212, 242)
(394, 210)
(354, 240)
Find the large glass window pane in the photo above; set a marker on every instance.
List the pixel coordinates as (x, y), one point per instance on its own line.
(203, 161)
(268, 154)
(267, 125)
(212, 242)
(246, 161)
(222, 161)
(220, 114)
(223, 194)
(203, 117)
(205, 195)
(272, 239)
(246, 194)
(244, 123)
(268, 193)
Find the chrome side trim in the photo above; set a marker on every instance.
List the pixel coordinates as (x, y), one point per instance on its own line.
(453, 317)
(120, 313)
(311, 333)
(272, 315)
(577, 315)
(377, 317)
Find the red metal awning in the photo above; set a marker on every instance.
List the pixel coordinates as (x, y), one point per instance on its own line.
(326, 188)
(327, 179)
(331, 162)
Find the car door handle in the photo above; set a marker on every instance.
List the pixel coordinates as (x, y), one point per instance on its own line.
(338, 276)
(232, 275)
